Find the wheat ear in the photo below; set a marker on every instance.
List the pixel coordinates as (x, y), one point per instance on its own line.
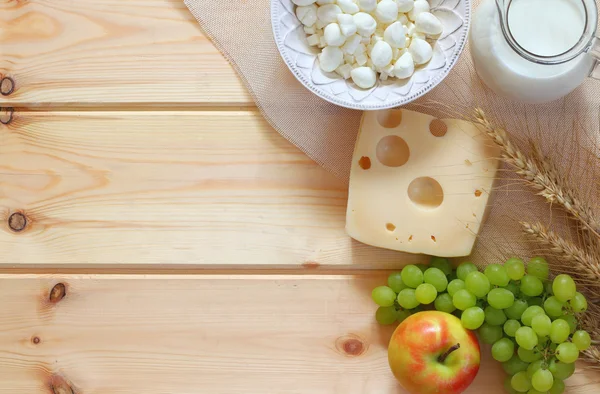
(546, 179)
(584, 263)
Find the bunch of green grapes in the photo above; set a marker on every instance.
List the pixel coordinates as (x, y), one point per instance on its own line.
(531, 322)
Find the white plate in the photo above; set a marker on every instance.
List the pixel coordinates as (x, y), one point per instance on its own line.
(301, 59)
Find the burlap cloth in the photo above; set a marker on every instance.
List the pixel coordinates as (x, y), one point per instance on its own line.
(566, 129)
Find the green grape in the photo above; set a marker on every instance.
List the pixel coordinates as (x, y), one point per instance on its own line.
(407, 299)
(503, 349)
(558, 387)
(538, 267)
(567, 352)
(560, 370)
(455, 285)
(490, 334)
(497, 275)
(541, 325)
(402, 314)
(533, 367)
(500, 298)
(578, 303)
(511, 326)
(412, 276)
(520, 382)
(582, 340)
(437, 278)
(513, 288)
(531, 286)
(542, 380)
(507, 387)
(572, 321)
(515, 268)
(535, 301)
(463, 299)
(528, 355)
(472, 318)
(548, 288)
(494, 316)
(425, 293)
(465, 269)
(477, 284)
(443, 303)
(564, 287)
(383, 296)
(386, 315)
(559, 331)
(553, 307)
(534, 391)
(441, 264)
(514, 365)
(530, 313)
(515, 311)
(395, 282)
(422, 267)
(526, 337)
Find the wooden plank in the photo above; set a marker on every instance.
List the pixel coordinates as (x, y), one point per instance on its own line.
(213, 189)
(204, 334)
(106, 51)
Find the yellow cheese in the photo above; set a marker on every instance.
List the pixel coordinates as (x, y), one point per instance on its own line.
(420, 184)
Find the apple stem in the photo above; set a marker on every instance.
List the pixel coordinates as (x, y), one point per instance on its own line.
(443, 357)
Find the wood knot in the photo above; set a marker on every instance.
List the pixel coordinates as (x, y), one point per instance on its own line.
(17, 222)
(58, 292)
(36, 340)
(58, 385)
(7, 86)
(311, 265)
(6, 117)
(351, 345)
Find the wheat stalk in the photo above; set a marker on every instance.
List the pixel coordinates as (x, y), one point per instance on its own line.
(584, 263)
(546, 179)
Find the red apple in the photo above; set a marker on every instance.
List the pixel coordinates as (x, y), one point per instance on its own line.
(431, 352)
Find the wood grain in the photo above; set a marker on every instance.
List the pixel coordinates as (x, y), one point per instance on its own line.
(206, 188)
(204, 334)
(149, 52)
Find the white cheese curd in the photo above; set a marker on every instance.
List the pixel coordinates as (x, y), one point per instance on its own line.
(386, 11)
(429, 24)
(404, 67)
(328, 13)
(405, 5)
(419, 7)
(323, 2)
(331, 58)
(333, 35)
(351, 44)
(303, 2)
(347, 25)
(307, 15)
(367, 5)
(364, 77)
(420, 50)
(365, 24)
(348, 6)
(395, 35)
(381, 54)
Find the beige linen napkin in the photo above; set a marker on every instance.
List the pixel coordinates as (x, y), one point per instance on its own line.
(327, 133)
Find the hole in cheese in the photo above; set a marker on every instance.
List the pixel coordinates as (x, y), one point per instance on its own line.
(390, 118)
(364, 162)
(392, 151)
(433, 238)
(438, 128)
(426, 192)
(477, 193)
(390, 227)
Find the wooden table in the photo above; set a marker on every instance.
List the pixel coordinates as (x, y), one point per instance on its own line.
(157, 235)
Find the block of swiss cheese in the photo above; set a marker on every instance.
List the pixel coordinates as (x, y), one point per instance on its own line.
(420, 184)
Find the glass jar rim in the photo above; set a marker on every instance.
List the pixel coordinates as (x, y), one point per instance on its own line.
(583, 44)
